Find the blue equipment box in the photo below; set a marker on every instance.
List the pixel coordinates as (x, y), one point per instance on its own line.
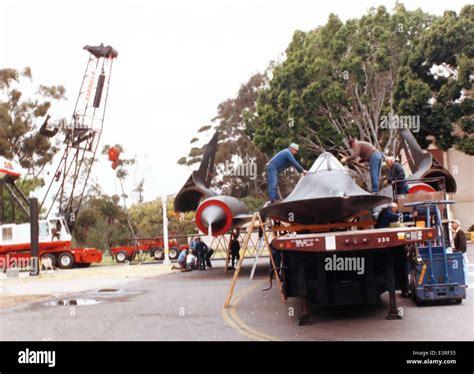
(439, 288)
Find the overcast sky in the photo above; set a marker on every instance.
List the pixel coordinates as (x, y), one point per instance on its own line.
(177, 61)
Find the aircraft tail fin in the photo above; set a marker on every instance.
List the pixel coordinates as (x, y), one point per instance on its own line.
(197, 186)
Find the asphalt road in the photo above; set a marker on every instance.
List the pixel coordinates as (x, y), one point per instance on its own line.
(189, 306)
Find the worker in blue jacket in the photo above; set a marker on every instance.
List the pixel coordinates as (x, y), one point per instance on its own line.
(396, 173)
(390, 215)
(281, 161)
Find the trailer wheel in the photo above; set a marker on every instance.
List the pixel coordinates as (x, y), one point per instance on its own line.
(158, 253)
(48, 261)
(173, 253)
(65, 260)
(122, 256)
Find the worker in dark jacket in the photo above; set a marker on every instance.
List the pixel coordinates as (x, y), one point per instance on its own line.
(234, 249)
(459, 245)
(209, 253)
(281, 161)
(459, 240)
(367, 153)
(390, 215)
(200, 249)
(396, 173)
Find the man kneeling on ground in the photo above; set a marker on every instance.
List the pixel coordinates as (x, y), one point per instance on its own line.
(181, 261)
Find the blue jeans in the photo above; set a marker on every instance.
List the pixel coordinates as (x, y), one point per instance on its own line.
(272, 173)
(375, 164)
(201, 255)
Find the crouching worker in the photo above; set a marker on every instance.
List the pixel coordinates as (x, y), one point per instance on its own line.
(367, 153)
(181, 261)
(191, 261)
(391, 215)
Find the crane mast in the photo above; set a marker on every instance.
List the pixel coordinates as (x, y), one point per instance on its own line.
(82, 136)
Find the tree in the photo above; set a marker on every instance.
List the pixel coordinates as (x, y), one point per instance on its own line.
(147, 217)
(12, 213)
(20, 140)
(239, 164)
(342, 80)
(122, 173)
(139, 190)
(102, 223)
(440, 71)
(336, 82)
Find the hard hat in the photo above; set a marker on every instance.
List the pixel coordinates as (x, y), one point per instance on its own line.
(295, 146)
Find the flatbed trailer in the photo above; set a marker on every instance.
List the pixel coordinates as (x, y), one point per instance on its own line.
(55, 246)
(304, 260)
(154, 247)
(52, 254)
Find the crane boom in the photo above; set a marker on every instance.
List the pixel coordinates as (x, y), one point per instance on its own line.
(82, 135)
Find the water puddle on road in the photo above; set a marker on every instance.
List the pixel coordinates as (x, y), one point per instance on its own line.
(103, 295)
(79, 302)
(109, 290)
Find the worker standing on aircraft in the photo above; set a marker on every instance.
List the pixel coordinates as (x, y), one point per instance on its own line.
(281, 161)
(367, 153)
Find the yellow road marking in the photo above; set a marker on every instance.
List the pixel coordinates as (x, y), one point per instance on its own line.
(230, 316)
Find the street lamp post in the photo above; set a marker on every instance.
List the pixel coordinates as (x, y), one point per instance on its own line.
(166, 261)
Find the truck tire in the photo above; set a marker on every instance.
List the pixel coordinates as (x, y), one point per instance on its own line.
(48, 261)
(121, 257)
(173, 253)
(65, 260)
(417, 300)
(158, 253)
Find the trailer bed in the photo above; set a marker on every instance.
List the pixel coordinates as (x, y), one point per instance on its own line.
(354, 240)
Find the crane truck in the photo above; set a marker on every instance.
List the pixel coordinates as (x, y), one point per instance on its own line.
(80, 145)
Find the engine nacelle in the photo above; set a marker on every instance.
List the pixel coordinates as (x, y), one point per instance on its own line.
(218, 214)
